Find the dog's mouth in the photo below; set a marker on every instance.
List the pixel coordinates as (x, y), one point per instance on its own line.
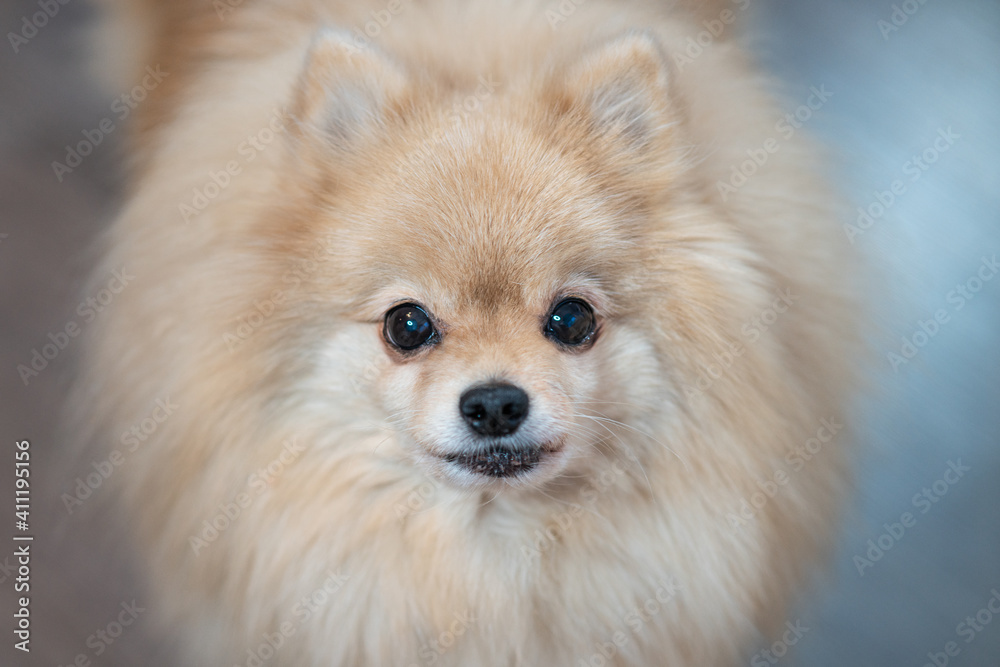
(498, 461)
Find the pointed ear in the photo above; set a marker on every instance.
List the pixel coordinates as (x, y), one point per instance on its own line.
(621, 89)
(345, 92)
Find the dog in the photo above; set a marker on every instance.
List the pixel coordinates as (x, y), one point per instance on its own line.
(496, 333)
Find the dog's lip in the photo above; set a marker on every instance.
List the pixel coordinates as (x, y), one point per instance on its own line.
(499, 460)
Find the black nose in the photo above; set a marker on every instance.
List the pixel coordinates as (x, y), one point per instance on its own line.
(494, 409)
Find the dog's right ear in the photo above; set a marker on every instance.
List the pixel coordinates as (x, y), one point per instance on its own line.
(620, 90)
(345, 92)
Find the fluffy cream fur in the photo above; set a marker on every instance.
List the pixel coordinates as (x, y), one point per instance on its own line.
(481, 158)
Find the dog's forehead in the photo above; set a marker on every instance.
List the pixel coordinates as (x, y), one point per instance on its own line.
(487, 218)
(492, 254)
(501, 203)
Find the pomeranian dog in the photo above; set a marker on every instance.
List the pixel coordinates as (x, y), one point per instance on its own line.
(492, 333)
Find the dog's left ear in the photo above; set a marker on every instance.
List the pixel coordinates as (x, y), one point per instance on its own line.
(345, 92)
(621, 91)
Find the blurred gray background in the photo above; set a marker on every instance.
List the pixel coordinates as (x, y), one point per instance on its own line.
(897, 86)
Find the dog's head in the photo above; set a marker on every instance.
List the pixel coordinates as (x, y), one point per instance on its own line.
(491, 248)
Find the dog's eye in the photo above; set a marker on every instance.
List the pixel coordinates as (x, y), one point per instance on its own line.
(408, 326)
(571, 322)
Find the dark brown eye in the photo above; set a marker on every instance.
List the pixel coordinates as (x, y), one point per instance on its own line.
(571, 322)
(408, 327)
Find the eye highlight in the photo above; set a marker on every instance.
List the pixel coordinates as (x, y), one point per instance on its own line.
(407, 327)
(571, 322)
